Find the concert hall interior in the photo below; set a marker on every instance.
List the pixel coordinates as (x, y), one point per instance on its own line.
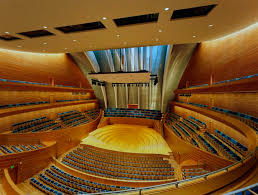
(129, 97)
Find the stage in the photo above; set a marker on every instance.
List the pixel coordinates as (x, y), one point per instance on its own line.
(128, 138)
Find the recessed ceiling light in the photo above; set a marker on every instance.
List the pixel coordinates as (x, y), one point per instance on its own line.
(19, 46)
(125, 42)
(194, 36)
(104, 18)
(74, 40)
(44, 43)
(6, 32)
(44, 50)
(160, 30)
(118, 35)
(65, 48)
(44, 27)
(166, 9)
(210, 25)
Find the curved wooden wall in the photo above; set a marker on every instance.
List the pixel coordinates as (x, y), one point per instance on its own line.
(22, 162)
(42, 68)
(8, 185)
(226, 58)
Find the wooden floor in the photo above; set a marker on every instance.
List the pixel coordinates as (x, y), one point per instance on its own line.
(128, 138)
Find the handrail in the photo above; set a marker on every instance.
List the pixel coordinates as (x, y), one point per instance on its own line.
(35, 83)
(176, 183)
(225, 81)
(242, 189)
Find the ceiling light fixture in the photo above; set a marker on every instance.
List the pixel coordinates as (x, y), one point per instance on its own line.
(44, 27)
(44, 43)
(6, 32)
(166, 9)
(19, 46)
(65, 48)
(43, 50)
(160, 30)
(104, 18)
(118, 35)
(210, 25)
(74, 40)
(194, 36)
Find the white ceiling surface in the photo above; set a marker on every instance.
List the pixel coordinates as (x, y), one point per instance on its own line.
(19, 16)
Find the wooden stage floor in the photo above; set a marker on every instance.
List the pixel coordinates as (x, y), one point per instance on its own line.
(128, 138)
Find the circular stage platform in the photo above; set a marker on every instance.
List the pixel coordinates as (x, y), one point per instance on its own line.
(128, 138)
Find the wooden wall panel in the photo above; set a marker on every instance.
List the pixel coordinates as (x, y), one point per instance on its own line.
(238, 102)
(26, 66)
(13, 97)
(7, 121)
(226, 58)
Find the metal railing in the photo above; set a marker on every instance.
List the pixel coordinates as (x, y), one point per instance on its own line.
(253, 189)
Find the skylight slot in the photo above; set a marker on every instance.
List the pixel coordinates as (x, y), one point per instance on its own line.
(137, 19)
(36, 33)
(81, 27)
(7, 37)
(192, 12)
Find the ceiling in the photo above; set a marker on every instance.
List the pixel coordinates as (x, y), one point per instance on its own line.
(20, 16)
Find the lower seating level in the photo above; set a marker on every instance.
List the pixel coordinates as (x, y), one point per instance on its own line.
(54, 180)
(97, 162)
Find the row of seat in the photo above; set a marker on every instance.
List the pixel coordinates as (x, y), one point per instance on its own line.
(233, 143)
(223, 148)
(70, 118)
(137, 167)
(38, 125)
(35, 182)
(87, 182)
(121, 169)
(120, 156)
(71, 100)
(198, 121)
(133, 113)
(115, 175)
(248, 119)
(207, 145)
(193, 172)
(23, 104)
(12, 149)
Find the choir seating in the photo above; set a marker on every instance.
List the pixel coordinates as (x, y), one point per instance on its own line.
(134, 113)
(115, 165)
(18, 148)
